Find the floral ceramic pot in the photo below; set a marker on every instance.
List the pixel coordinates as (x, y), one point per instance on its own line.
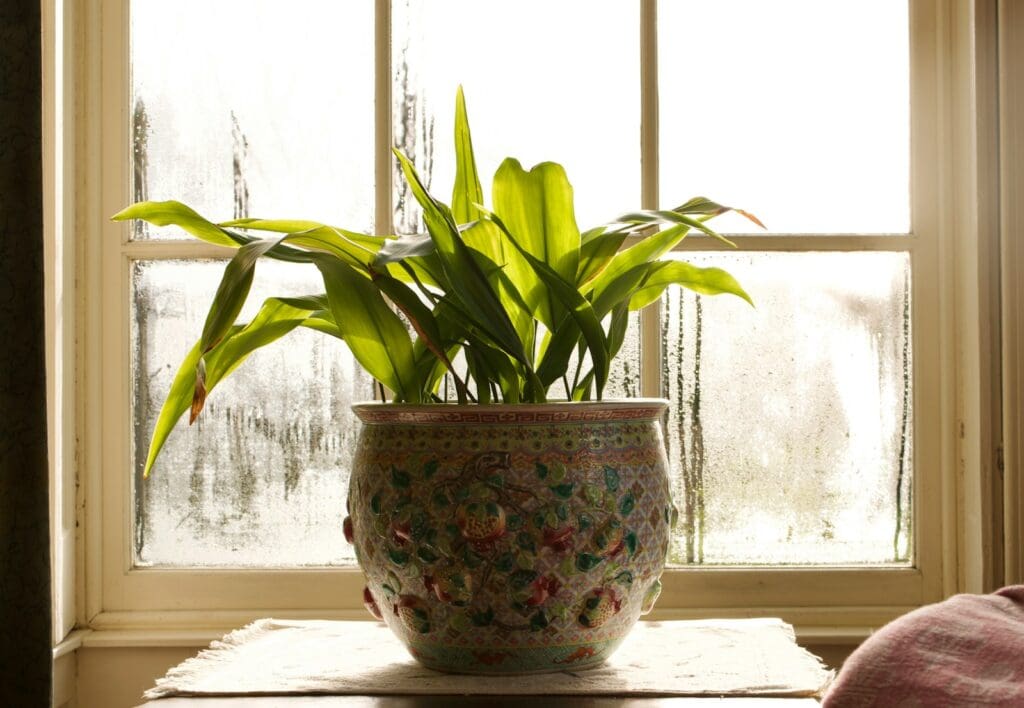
(510, 538)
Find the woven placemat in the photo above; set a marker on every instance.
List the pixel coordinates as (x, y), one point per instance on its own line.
(751, 657)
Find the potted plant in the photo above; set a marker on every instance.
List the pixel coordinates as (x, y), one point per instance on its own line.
(507, 533)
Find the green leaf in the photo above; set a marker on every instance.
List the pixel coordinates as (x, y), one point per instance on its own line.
(430, 468)
(611, 479)
(706, 281)
(482, 618)
(542, 469)
(469, 284)
(426, 555)
(399, 558)
(505, 562)
(537, 208)
(467, 190)
(399, 478)
(563, 490)
(631, 543)
(521, 578)
(587, 561)
(538, 621)
(593, 494)
(173, 213)
(526, 542)
(597, 250)
(373, 332)
(275, 319)
(525, 561)
(557, 471)
(578, 306)
(624, 578)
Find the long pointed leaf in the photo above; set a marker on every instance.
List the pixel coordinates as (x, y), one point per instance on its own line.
(375, 334)
(467, 191)
(537, 210)
(706, 281)
(275, 319)
(571, 300)
(468, 282)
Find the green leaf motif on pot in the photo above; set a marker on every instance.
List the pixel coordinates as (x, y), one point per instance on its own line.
(426, 554)
(460, 622)
(584, 522)
(398, 557)
(514, 522)
(505, 562)
(562, 511)
(538, 621)
(624, 578)
(611, 479)
(627, 504)
(526, 542)
(557, 472)
(524, 561)
(631, 543)
(587, 561)
(563, 490)
(482, 618)
(375, 503)
(430, 468)
(521, 578)
(399, 478)
(593, 495)
(542, 470)
(440, 498)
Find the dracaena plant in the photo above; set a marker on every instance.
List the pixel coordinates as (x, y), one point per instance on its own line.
(528, 300)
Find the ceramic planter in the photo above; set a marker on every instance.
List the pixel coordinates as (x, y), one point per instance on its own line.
(510, 538)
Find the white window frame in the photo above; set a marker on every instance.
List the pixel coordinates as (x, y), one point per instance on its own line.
(958, 532)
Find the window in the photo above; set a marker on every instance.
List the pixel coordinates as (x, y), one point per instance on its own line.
(806, 434)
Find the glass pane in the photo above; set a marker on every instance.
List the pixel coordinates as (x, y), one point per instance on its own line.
(797, 110)
(254, 108)
(538, 87)
(261, 478)
(791, 423)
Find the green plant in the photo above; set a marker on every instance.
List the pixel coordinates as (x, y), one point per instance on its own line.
(518, 290)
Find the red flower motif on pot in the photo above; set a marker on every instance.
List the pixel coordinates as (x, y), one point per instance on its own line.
(347, 529)
(559, 539)
(543, 588)
(371, 604)
(455, 588)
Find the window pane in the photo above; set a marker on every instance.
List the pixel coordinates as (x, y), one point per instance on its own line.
(797, 110)
(537, 88)
(254, 108)
(791, 423)
(261, 478)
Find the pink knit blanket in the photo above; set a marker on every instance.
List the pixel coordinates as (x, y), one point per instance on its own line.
(965, 651)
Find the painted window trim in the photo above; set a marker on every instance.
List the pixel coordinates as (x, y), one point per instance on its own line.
(114, 596)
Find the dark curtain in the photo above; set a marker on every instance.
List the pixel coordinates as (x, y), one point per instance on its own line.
(25, 615)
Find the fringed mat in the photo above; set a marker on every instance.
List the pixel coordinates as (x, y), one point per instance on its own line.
(754, 657)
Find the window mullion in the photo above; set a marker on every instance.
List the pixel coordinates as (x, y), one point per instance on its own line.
(383, 208)
(650, 318)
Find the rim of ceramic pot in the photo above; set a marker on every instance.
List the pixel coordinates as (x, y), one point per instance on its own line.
(554, 412)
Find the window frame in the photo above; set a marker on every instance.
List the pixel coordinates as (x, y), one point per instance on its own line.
(950, 372)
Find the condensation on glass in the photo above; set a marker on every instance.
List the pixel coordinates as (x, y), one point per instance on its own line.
(260, 479)
(790, 425)
(543, 80)
(797, 110)
(254, 108)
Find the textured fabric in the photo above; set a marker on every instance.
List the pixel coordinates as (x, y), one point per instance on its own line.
(25, 640)
(965, 651)
(755, 657)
